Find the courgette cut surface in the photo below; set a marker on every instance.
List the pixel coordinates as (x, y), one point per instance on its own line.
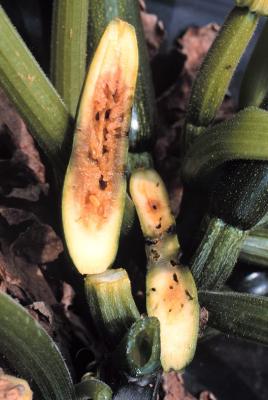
(95, 186)
(171, 294)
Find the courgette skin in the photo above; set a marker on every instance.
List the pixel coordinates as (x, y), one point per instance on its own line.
(240, 195)
(101, 12)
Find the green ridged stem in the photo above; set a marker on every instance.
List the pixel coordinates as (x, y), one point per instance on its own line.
(92, 388)
(33, 95)
(100, 13)
(238, 314)
(213, 79)
(32, 353)
(245, 137)
(255, 247)
(139, 351)
(111, 303)
(254, 86)
(216, 255)
(69, 49)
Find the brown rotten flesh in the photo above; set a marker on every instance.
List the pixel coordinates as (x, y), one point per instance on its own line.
(94, 187)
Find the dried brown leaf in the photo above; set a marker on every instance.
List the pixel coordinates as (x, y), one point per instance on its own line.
(154, 30)
(174, 389)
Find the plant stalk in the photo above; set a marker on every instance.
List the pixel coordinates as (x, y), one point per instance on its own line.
(215, 74)
(244, 137)
(111, 304)
(33, 95)
(69, 49)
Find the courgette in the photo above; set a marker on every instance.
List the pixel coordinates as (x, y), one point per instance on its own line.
(240, 195)
(171, 294)
(238, 201)
(95, 186)
(101, 12)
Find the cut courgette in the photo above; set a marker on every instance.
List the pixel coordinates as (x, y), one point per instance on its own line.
(95, 187)
(171, 293)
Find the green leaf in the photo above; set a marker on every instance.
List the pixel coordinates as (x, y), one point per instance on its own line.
(244, 137)
(69, 49)
(33, 95)
(32, 353)
(238, 314)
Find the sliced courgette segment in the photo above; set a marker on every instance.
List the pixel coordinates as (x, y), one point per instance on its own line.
(95, 187)
(171, 293)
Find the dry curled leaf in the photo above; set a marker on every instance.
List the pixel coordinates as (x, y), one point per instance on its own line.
(194, 45)
(22, 174)
(204, 315)
(153, 30)
(206, 395)
(174, 389)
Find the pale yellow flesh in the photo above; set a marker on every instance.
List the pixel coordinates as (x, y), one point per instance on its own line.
(151, 200)
(93, 242)
(171, 294)
(14, 388)
(172, 297)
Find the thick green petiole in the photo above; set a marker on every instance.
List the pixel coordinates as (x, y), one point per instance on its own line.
(111, 303)
(101, 12)
(255, 247)
(216, 255)
(69, 49)
(254, 87)
(92, 388)
(171, 294)
(139, 351)
(33, 95)
(245, 136)
(217, 70)
(238, 314)
(31, 352)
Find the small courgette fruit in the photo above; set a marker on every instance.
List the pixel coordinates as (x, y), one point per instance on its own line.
(95, 187)
(171, 293)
